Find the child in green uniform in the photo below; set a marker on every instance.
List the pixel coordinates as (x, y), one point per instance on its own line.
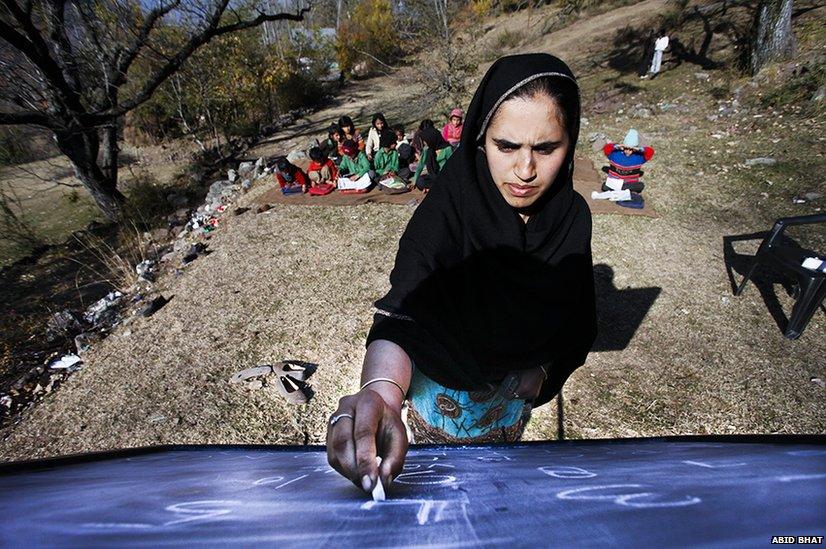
(434, 155)
(354, 170)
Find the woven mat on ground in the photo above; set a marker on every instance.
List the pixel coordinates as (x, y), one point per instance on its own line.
(586, 179)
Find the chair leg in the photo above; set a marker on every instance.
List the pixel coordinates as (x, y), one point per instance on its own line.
(749, 273)
(811, 296)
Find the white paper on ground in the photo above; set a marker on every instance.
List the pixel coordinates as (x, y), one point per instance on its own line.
(348, 183)
(812, 263)
(613, 183)
(613, 196)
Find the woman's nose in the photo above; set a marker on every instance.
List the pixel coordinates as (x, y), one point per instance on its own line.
(525, 168)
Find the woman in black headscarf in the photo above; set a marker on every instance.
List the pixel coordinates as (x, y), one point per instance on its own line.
(491, 305)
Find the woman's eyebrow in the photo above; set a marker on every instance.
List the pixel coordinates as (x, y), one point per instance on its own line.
(510, 144)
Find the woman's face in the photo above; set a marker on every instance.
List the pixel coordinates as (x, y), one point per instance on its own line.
(526, 145)
(379, 124)
(455, 120)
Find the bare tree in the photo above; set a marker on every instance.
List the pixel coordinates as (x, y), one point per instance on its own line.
(773, 37)
(77, 67)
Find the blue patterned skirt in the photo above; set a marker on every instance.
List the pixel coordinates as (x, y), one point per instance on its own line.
(439, 415)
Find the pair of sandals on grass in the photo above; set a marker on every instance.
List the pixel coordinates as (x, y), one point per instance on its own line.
(290, 378)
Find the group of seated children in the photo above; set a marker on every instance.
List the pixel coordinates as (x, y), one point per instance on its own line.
(347, 162)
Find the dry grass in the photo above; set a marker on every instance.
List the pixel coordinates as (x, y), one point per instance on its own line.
(299, 282)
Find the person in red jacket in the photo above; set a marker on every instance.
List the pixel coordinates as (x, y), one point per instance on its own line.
(290, 177)
(322, 170)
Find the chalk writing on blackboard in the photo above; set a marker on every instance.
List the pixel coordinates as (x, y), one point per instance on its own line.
(564, 471)
(595, 493)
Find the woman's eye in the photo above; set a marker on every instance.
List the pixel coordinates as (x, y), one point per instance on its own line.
(506, 148)
(546, 150)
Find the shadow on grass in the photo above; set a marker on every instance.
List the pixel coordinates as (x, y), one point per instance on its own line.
(619, 312)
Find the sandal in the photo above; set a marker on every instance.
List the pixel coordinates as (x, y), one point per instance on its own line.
(250, 373)
(296, 369)
(292, 390)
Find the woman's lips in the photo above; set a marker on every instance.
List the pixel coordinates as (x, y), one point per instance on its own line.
(521, 191)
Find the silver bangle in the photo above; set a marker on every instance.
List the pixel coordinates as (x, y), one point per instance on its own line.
(387, 379)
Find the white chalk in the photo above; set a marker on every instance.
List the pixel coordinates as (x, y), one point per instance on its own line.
(378, 489)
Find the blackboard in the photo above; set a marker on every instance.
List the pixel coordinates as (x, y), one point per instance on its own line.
(635, 492)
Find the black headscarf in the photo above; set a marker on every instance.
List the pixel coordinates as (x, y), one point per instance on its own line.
(475, 291)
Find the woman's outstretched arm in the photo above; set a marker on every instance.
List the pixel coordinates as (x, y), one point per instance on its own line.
(376, 427)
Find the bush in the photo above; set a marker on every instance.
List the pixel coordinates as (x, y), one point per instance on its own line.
(367, 36)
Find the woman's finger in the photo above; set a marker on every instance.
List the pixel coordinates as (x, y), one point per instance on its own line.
(393, 445)
(369, 412)
(341, 450)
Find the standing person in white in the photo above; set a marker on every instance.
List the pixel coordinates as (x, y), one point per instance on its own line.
(659, 47)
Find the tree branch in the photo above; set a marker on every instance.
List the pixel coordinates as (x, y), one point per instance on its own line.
(28, 117)
(36, 50)
(119, 75)
(175, 62)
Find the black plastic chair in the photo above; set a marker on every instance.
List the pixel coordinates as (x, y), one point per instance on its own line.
(811, 284)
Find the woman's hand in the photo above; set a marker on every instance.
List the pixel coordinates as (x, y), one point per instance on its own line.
(530, 383)
(375, 429)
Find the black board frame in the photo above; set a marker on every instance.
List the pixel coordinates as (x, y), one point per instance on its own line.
(14, 467)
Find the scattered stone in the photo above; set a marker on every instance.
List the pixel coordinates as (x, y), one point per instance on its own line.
(702, 76)
(583, 121)
(361, 70)
(639, 111)
(254, 384)
(819, 382)
(245, 168)
(761, 161)
(246, 185)
(812, 196)
(103, 311)
(167, 257)
(145, 270)
(259, 167)
(596, 136)
(261, 208)
(180, 245)
(65, 324)
(84, 341)
(819, 95)
(239, 211)
(232, 175)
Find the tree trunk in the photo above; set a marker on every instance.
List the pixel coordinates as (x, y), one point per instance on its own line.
(109, 161)
(81, 147)
(773, 38)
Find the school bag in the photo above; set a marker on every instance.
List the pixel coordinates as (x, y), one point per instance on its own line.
(393, 185)
(292, 189)
(322, 189)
